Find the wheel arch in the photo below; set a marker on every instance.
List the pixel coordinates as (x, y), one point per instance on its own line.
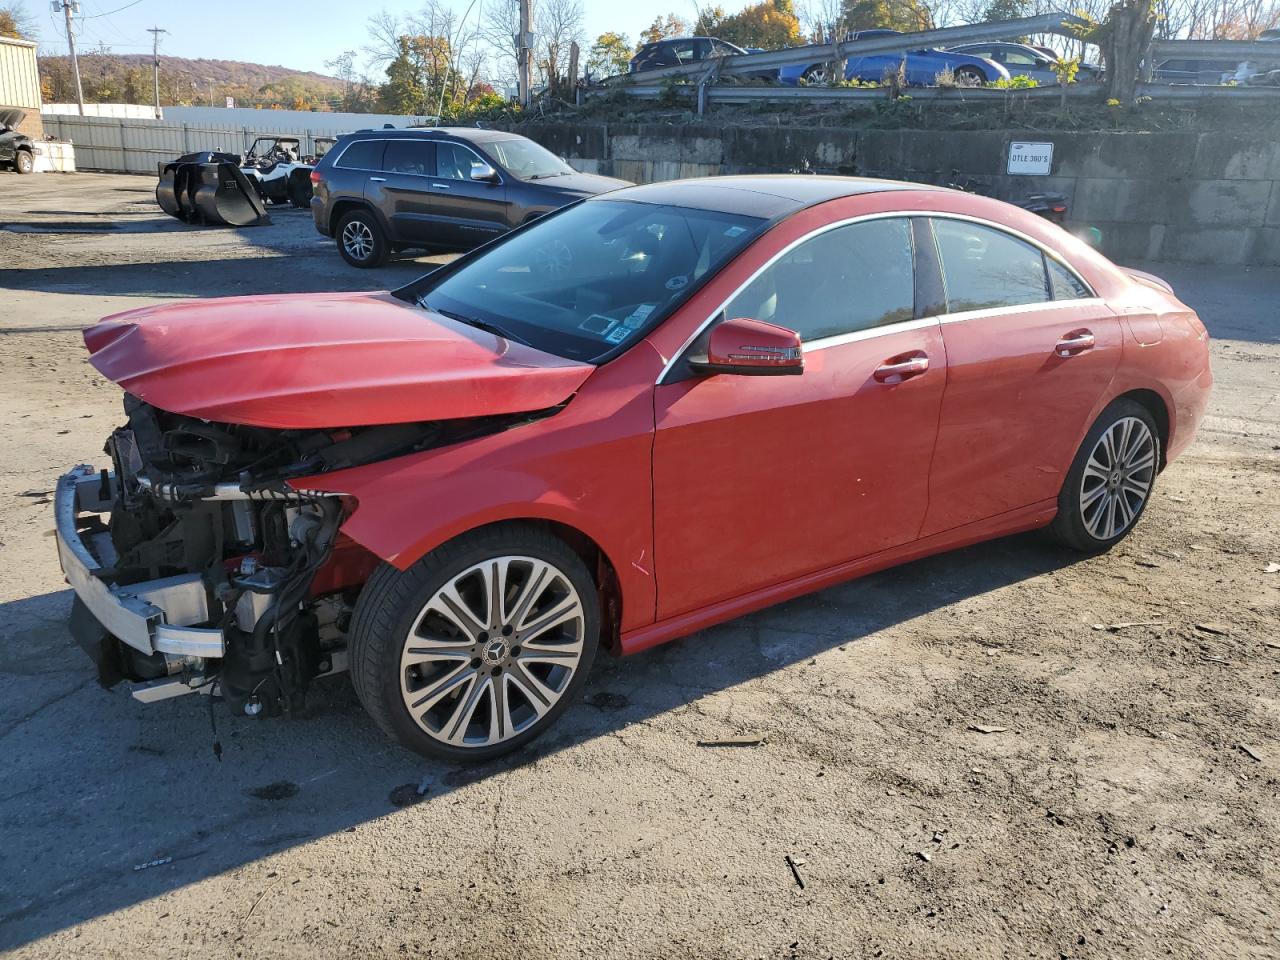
(600, 565)
(1157, 406)
(344, 206)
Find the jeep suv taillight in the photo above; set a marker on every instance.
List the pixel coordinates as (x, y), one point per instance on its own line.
(315, 177)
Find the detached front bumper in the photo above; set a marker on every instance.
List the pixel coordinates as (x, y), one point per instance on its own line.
(153, 617)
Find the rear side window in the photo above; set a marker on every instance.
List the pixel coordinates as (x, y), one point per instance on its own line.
(415, 157)
(1065, 284)
(851, 278)
(362, 155)
(984, 268)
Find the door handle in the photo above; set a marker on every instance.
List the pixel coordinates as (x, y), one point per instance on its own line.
(898, 369)
(378, 179)
(1073, 343)
(439, 186)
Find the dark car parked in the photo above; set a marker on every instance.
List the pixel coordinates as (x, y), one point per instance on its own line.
(678, 50)
(16, 148)
(447, 188)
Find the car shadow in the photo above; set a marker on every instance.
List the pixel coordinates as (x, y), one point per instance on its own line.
(107, 802)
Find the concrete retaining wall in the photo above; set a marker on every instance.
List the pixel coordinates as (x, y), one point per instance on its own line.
(1203, 197)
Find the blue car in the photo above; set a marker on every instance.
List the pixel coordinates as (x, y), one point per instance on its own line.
(923, 66)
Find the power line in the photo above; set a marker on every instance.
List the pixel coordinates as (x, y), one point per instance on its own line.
(110, 12)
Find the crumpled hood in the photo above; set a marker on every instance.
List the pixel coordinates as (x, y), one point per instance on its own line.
(307, 361)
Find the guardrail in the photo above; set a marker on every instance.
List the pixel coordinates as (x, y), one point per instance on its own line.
(764, 94)
(1217, 49)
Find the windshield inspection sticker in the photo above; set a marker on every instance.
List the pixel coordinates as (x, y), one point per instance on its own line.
(619, 335)
(678, 282)
(597, 323)
(735, 231)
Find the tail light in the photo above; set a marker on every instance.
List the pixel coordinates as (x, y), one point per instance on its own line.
(315, 177)
(1055, 209)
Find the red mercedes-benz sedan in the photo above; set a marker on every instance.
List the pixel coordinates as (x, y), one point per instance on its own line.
(646, 413)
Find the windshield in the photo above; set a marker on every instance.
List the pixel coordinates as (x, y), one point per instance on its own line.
(528, 161)
(593, 279)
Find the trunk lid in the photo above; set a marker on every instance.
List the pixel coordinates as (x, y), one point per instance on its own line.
(307, 361)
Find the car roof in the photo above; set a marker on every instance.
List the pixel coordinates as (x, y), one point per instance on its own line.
(765, 196)
(472, 134)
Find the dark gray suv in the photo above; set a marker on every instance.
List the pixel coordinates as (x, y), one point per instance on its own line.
(449, 188)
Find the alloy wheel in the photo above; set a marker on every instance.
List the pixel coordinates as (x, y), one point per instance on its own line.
(492, 651)
(357, 240)
(1117, 478)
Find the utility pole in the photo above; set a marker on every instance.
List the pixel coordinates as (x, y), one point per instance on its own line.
(69, 7)
(155, 63)
(524, 53)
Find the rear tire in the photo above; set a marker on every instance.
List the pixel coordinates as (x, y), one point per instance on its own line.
(1111, 479)
(454, 675)
(361, 240)
(23, 161)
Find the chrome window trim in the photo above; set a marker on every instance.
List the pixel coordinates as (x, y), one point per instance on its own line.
(915, 324)
(337, 162)
(870, 333)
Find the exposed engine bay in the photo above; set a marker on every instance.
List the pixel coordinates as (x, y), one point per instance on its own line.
(198, 568)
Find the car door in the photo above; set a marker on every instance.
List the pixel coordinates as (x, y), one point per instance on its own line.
(1030, 351)
(758, 480)
(402, 188)
(465, 212)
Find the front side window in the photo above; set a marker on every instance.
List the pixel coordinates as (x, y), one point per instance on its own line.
(984, 268)
(851, 278)
(527, 160)
(362, 155)
(453, 161)
(592, 279)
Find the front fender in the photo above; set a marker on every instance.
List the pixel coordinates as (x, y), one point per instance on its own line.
(587, 467)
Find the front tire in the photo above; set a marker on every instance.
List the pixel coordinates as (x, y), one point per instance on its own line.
(361, 240)
(968, 76)
(478, 647)
(1111, 479)
(815, 76)
(23, 161)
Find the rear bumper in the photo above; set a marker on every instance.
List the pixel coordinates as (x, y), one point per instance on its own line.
(319, 217)
(155, 616)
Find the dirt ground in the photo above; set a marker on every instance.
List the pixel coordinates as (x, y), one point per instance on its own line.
(1128, 807)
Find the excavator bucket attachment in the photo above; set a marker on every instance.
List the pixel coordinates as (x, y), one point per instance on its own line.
(209, 188)
(224, 195)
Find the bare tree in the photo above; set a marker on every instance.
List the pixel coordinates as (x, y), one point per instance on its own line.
(558, 24)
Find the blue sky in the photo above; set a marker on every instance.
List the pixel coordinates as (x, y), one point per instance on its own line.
(301, 34)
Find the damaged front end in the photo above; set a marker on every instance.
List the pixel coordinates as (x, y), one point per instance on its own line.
(199, 567)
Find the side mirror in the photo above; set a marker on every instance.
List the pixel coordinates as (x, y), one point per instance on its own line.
(751, 348)
(483, 172)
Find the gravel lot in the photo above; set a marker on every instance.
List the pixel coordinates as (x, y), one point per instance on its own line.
(1129, 808)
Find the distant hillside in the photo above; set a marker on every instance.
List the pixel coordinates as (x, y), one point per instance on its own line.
(126, 78)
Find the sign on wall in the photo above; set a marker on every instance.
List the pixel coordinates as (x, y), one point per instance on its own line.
(1030, 159)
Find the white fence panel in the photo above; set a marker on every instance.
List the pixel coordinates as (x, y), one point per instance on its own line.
(138, 145)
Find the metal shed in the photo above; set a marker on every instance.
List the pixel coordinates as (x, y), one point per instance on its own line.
(20, 82)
